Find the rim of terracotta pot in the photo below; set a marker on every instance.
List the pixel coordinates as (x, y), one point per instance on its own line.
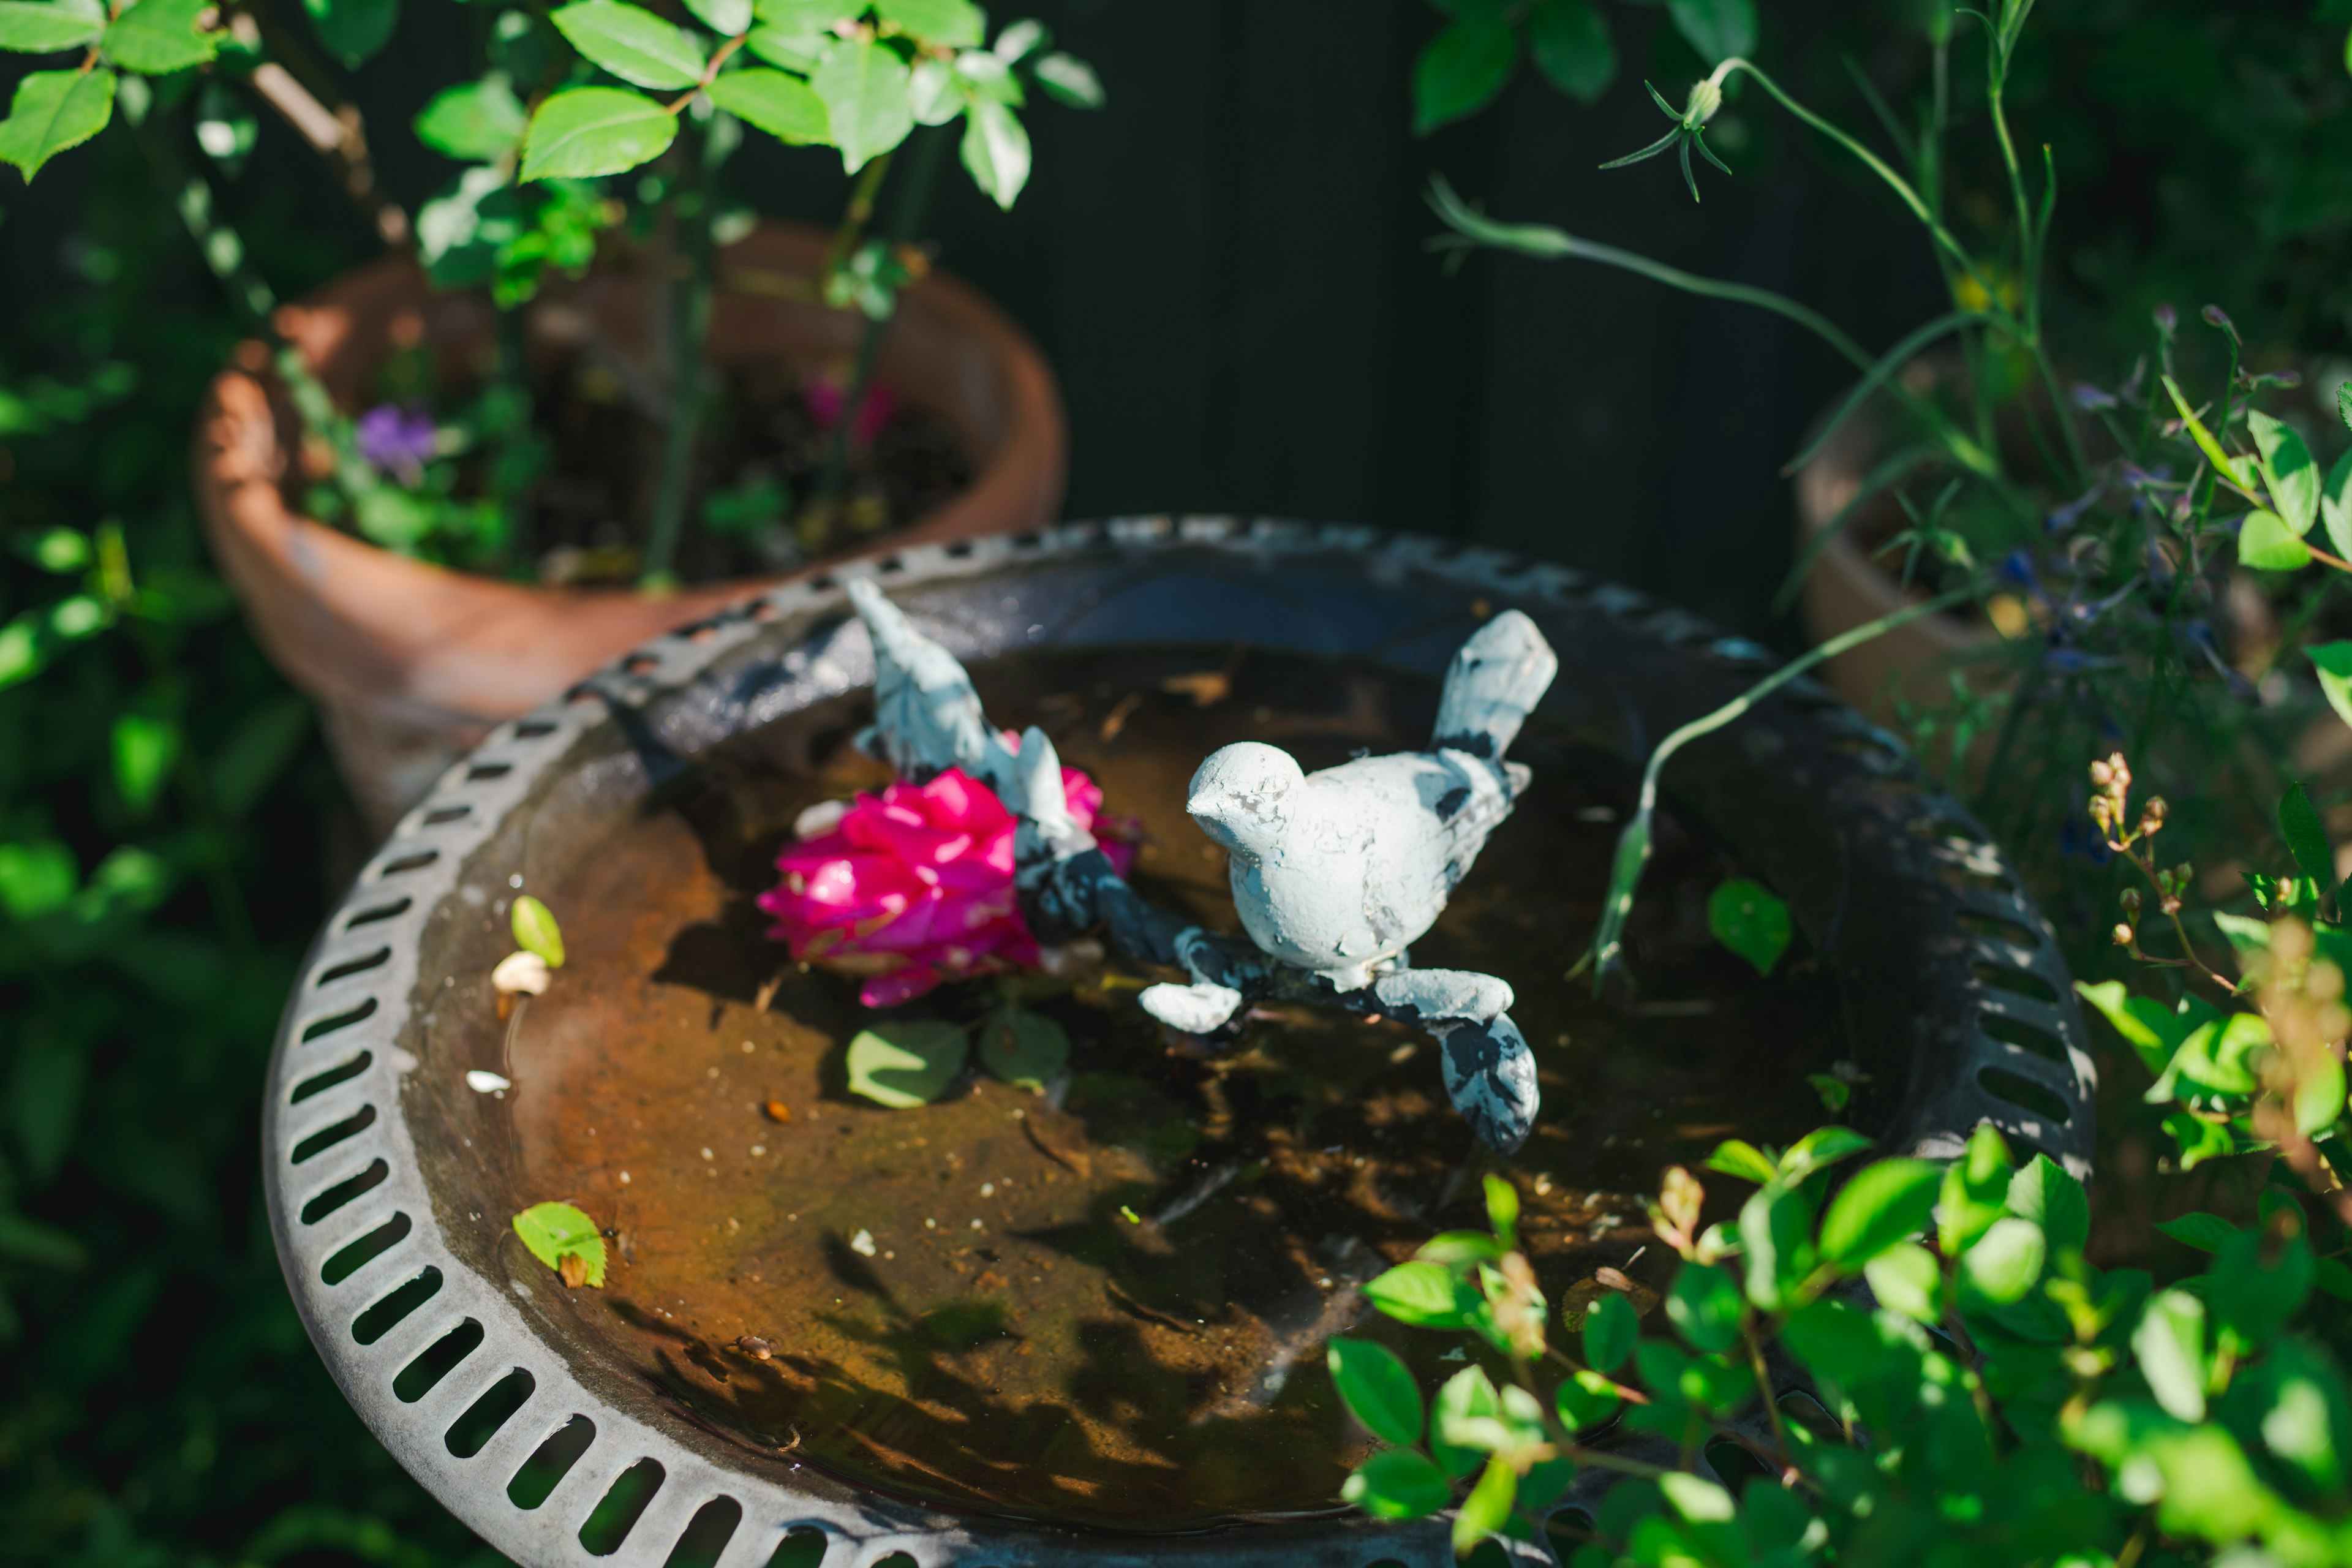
(1845, 588)
(354, 624)
(1926, 928)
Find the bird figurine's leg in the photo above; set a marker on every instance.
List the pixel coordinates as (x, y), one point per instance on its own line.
(1490, 1074)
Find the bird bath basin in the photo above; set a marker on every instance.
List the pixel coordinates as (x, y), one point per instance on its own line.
(1082, 1327)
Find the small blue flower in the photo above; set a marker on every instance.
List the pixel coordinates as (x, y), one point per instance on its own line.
(395, 441)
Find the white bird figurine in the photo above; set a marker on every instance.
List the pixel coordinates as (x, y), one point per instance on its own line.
(1338, 871)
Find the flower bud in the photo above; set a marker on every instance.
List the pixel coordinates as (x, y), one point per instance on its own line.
(2101, 774)
(2131, 902)
(2156, 808)
(2123, 934)
(1706, 98)
(2167, 320)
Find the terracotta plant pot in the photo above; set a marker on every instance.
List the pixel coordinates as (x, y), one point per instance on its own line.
(411, 663)
(1845, 589)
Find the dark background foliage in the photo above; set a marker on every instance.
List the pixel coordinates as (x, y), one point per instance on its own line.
(1226, 268)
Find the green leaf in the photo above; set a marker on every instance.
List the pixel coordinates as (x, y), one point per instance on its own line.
(1502, 1209)
(1819, 1150)
(24, 1241)
(1611, 1330)
(1487, 1508)
(43, 29)
(1461, 72)
(2319, 1095)
(784, 105)
(476, 123)
(146, 746)
(1737, 1157)
(906, 1062)
(1884, 1206)
(1704, 1305)
(1020, 39)
(554, 1232)
(1776, 1228)
(2305, 1419)
(1586, 1398)
(2146, 1025)
(156, 38)
(2254, 1288)
(864, 87)
(44, 1101)
(806, 17)
(256, 753)
(2205, 1232)
(352, 30)
(1569, 41)
(2044, 1193)
(2333, 661)
(1024, 1047)
(1451, 1247)
(1751, 922)
(2199, 1140)
(1068, 79)
(2267, 544)
(1421, 1295)
(801, 52)
(1906, 1279)
(1398, 1483)
(728, 19)
(632, 43)
(2288, 469)
(1976, 1191)
(1380, 1392)
(591, 131)
(995, 150)
(2006, 1261)
(1836, 1093)
(2235, 469)
(535, 930)
(2335, 505)
(36, 875)
(2306, 836)
(1463, 1402)
(959, 24)
(2170, 1345)
(1716, 29)
(52, 110)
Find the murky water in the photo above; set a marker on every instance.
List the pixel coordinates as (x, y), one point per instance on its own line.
(1108, 1310)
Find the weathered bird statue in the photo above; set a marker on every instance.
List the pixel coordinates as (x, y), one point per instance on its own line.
(1338, 871)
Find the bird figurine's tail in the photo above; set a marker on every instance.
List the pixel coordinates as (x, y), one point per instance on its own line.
(1496, 681)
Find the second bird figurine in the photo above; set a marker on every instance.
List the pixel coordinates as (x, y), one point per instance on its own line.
(1338, 871)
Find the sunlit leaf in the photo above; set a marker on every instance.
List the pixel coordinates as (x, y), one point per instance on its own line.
(556, 1233)
(591, 131)
(1380, 1392)
(51, 112)
(906, 1062)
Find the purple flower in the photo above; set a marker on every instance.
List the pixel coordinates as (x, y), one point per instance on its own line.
(2089, 397)
(395, 441)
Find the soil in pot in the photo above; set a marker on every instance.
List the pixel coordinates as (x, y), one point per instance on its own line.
(583, 479)
(1103, 1306)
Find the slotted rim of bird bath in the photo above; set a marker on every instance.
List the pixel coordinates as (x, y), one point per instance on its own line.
(391, 1182)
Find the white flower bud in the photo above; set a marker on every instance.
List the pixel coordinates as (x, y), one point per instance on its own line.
(522, 972)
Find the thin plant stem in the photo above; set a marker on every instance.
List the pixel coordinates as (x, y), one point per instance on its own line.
(690, 289)
(907, 215)
(1634, 843)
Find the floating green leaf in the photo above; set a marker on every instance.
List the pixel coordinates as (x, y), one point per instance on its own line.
(591, 131)
(555, 1232)
(906, 1062)
(352, 30)
(1883, 1206)
(864, 86)
(1398, 1483)
(41, 29)
(995, 150)
(1746, 917)
(1024, 1047)
(632, 43)
(476, 122)
(1462, 70)
(535, 930)
(780, 104)
(52, 110)
(2266, 543)
(1380, 1392)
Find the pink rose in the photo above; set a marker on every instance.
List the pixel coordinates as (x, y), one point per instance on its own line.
(917, 881)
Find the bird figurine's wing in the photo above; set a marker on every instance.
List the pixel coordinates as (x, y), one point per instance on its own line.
(1473, 809)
